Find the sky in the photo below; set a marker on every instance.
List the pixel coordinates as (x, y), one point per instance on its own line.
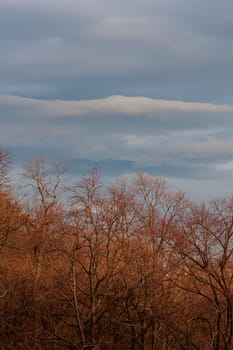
(121, 85)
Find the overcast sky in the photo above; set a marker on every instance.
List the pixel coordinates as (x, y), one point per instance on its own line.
(123, 85)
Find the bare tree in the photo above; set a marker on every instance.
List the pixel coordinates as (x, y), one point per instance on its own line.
(5, 161)
(42, 224)
(206, 260)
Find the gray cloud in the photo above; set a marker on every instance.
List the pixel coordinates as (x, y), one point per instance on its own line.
(167, 138)
(123, 85)
(166, 49)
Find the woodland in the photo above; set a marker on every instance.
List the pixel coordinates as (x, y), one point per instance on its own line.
(132, 265)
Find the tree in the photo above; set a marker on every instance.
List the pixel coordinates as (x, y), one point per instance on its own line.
(207, 260)
(5, 161)
(43, 224)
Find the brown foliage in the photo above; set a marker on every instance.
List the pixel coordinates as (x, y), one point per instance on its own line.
(132, 266)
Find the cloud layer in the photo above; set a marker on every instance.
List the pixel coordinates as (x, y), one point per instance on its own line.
(121, 84)
(121, 134)
(76, 49)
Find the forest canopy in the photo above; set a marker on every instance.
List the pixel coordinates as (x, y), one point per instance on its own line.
(132, 265)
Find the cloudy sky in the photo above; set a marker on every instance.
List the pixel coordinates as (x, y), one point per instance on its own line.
(124, 85)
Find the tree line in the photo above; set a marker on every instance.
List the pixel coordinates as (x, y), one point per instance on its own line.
(132, 265)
